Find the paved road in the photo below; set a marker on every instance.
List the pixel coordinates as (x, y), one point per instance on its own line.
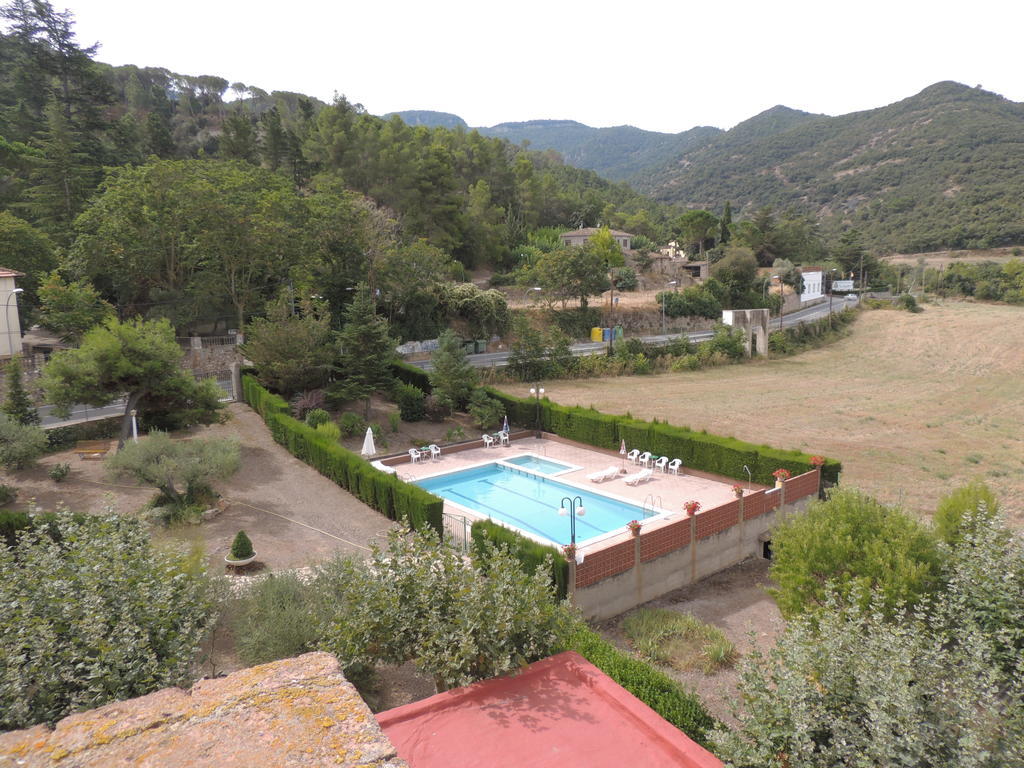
(499, 359)
(88, 413)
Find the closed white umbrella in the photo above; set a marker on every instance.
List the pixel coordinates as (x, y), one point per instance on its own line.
(504, 427)
(368, 447)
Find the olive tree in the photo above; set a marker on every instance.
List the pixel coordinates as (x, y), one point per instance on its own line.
(92, 612)
(20, 444)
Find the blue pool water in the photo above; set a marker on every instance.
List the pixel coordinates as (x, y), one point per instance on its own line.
(530, 502)
(537, 464)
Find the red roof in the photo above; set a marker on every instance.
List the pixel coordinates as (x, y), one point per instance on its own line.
(557, 712)
(4, 272)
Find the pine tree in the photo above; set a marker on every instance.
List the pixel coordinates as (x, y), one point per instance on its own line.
(367, 351)
(18, 404)
(726, 222)
(452, 378)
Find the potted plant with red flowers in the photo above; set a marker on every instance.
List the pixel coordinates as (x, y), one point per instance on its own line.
(634, 527)
(737, 491)
(569, 550)
(817, 461)
(692, 507)
(780, 476)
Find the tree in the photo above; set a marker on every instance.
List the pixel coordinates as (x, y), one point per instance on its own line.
(854, 545)
(168, 465)
(135, 359)
(26, 250)
(292, 352)
(572, 273)
(20, 444)
(736, 271)
(105, 616)
(725, 224)
(696, 227)
(961, 505)
(18, 405)
(453, 378)
(367, 351)
(69, 309)
(460, 619)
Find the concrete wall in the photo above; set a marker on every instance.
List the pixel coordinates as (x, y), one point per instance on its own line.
(681, 552)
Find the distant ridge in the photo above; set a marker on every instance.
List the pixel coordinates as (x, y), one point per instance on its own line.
(429, 119)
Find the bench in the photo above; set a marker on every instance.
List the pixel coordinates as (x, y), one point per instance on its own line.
(92, 449)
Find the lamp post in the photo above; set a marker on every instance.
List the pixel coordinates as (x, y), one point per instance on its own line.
(782, 299)
(575, 508)
(135, 426)
(663, 297)
(7, 318)
(537, 391)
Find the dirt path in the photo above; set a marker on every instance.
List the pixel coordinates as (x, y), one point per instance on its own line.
(293, 515)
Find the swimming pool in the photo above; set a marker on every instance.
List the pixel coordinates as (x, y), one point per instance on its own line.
(543, 466)
(531, 502)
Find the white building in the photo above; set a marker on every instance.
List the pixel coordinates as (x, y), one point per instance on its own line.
(11, 341)
(814, 284)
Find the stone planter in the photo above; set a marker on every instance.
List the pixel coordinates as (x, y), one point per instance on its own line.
(238, 563)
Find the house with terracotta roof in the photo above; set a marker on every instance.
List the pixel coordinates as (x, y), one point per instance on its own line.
(11, 342)
(578, 237)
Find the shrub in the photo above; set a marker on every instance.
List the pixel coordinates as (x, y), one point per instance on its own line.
(8, 493)
(20, 444)
(275, 620)
(380, 440)
(435, 408)
(329, 430)
(486, 411)
(59, 472)
(411, 374)
(529, 553)
(410, 401)
(311, 400)
(11, 522)
(953, 508)
(351, 424)
(656, 689)
(105, 616)
(855, 546)
(686, 363)
(316, 417)
(678, 639)
(394, 421)
(241, 547)
(625, 279)
(908, 302)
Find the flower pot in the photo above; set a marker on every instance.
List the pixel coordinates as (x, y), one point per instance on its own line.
(778, 483)
(237, 563)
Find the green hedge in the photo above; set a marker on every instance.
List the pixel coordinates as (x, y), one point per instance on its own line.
(699, 450)
(411, 374)
(528, 552)
(655, 689)
(387, 494)
(62, 438)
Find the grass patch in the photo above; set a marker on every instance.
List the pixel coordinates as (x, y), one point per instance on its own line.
(973, 458)
(678, 640)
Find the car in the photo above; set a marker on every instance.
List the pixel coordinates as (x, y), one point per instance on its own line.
(851, 297)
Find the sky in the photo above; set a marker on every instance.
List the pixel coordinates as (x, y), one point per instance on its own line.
(662, 66)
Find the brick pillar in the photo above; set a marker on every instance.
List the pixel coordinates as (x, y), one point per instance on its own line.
(571, 587)
(743, 532)
(638, 576)
(693, 548)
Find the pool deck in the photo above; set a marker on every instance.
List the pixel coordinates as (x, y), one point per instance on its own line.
(669, 491)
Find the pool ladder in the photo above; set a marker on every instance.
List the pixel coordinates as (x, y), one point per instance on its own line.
(651, 497)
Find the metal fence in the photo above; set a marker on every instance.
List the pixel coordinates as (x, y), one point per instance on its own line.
(458, 531)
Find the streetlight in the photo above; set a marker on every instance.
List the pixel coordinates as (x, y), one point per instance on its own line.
(7, 317)
(537, 391)
(663, 296)
(135, 426)
(575, 508)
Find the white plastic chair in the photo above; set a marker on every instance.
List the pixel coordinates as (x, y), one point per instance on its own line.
(435, 451)
(644, 458)
(674, 465)
(633, 455)
(414, 455)
(503, 437)
(661, 463)
(488, 441)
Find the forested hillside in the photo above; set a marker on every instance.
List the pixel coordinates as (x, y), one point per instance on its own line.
(942, 169)
(200, 199)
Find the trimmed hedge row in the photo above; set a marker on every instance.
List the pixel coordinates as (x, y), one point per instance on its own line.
(699, 450)
(526, 551)
(387, 494)
(654, 688)
(62, 438)
(410, 374)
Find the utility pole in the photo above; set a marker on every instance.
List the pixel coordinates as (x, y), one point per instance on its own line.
(862, 273)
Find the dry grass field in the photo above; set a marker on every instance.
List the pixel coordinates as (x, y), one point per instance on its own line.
(914, 405)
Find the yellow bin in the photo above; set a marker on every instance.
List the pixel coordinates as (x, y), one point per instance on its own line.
(595, 334)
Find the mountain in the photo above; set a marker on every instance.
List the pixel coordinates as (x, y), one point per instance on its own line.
(430, 119)
(616, 153)
(941, 169)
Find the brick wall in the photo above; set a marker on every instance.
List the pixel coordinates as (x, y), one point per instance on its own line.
(753, 505)
(718, 519)
(599, 565)
(803, 485)
(773, 499)
(664, 540)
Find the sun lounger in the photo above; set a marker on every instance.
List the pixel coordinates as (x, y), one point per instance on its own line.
(639, 477)
(605, 474)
